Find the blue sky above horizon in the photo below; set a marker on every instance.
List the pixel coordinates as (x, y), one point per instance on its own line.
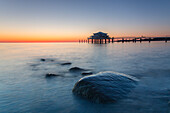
(73, 19)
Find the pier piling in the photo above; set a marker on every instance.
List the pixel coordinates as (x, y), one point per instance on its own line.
(140, 40)
(149, 40)
(122, 40)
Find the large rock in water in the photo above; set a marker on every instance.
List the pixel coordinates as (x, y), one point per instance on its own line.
(105, 87)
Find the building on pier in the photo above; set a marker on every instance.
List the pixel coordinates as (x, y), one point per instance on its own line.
(99, 37)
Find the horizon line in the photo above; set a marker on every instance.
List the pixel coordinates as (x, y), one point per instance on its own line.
(35, 41)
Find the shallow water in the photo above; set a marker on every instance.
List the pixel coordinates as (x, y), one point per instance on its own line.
(24, 87)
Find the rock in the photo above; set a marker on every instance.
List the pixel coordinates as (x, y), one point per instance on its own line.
(47, 59)
(51, 75)
(42, 59)
(87, 73)
(76, 69)
(67, 63)
(105, 87)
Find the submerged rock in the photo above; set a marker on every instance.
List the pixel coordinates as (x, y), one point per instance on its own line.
(105, 87)
(34, 65)
(51, 75)
(67, 63)
(74, 69)
(87, 73)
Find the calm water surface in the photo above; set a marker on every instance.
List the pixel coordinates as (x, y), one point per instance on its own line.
(24, 88)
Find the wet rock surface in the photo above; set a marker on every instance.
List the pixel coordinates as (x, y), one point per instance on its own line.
(105, 87)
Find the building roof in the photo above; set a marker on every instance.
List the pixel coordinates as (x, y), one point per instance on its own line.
(99, 35)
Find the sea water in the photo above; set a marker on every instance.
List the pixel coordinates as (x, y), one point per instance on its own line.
(24, 87)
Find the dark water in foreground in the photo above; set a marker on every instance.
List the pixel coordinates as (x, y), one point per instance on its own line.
(24, 88)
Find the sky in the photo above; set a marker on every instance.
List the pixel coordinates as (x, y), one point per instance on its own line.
(71, 20)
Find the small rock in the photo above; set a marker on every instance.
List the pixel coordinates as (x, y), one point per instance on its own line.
(42, 59)
(47, 59)
(67, 63)
(75, 69)
(51, 75)
(87, 73)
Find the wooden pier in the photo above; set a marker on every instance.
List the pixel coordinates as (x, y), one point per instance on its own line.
(125, 39)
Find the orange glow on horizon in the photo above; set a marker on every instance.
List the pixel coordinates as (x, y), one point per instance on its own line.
(38, 39)
(25, 38)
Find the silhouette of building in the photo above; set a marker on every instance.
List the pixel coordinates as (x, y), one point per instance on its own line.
(99, 38)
